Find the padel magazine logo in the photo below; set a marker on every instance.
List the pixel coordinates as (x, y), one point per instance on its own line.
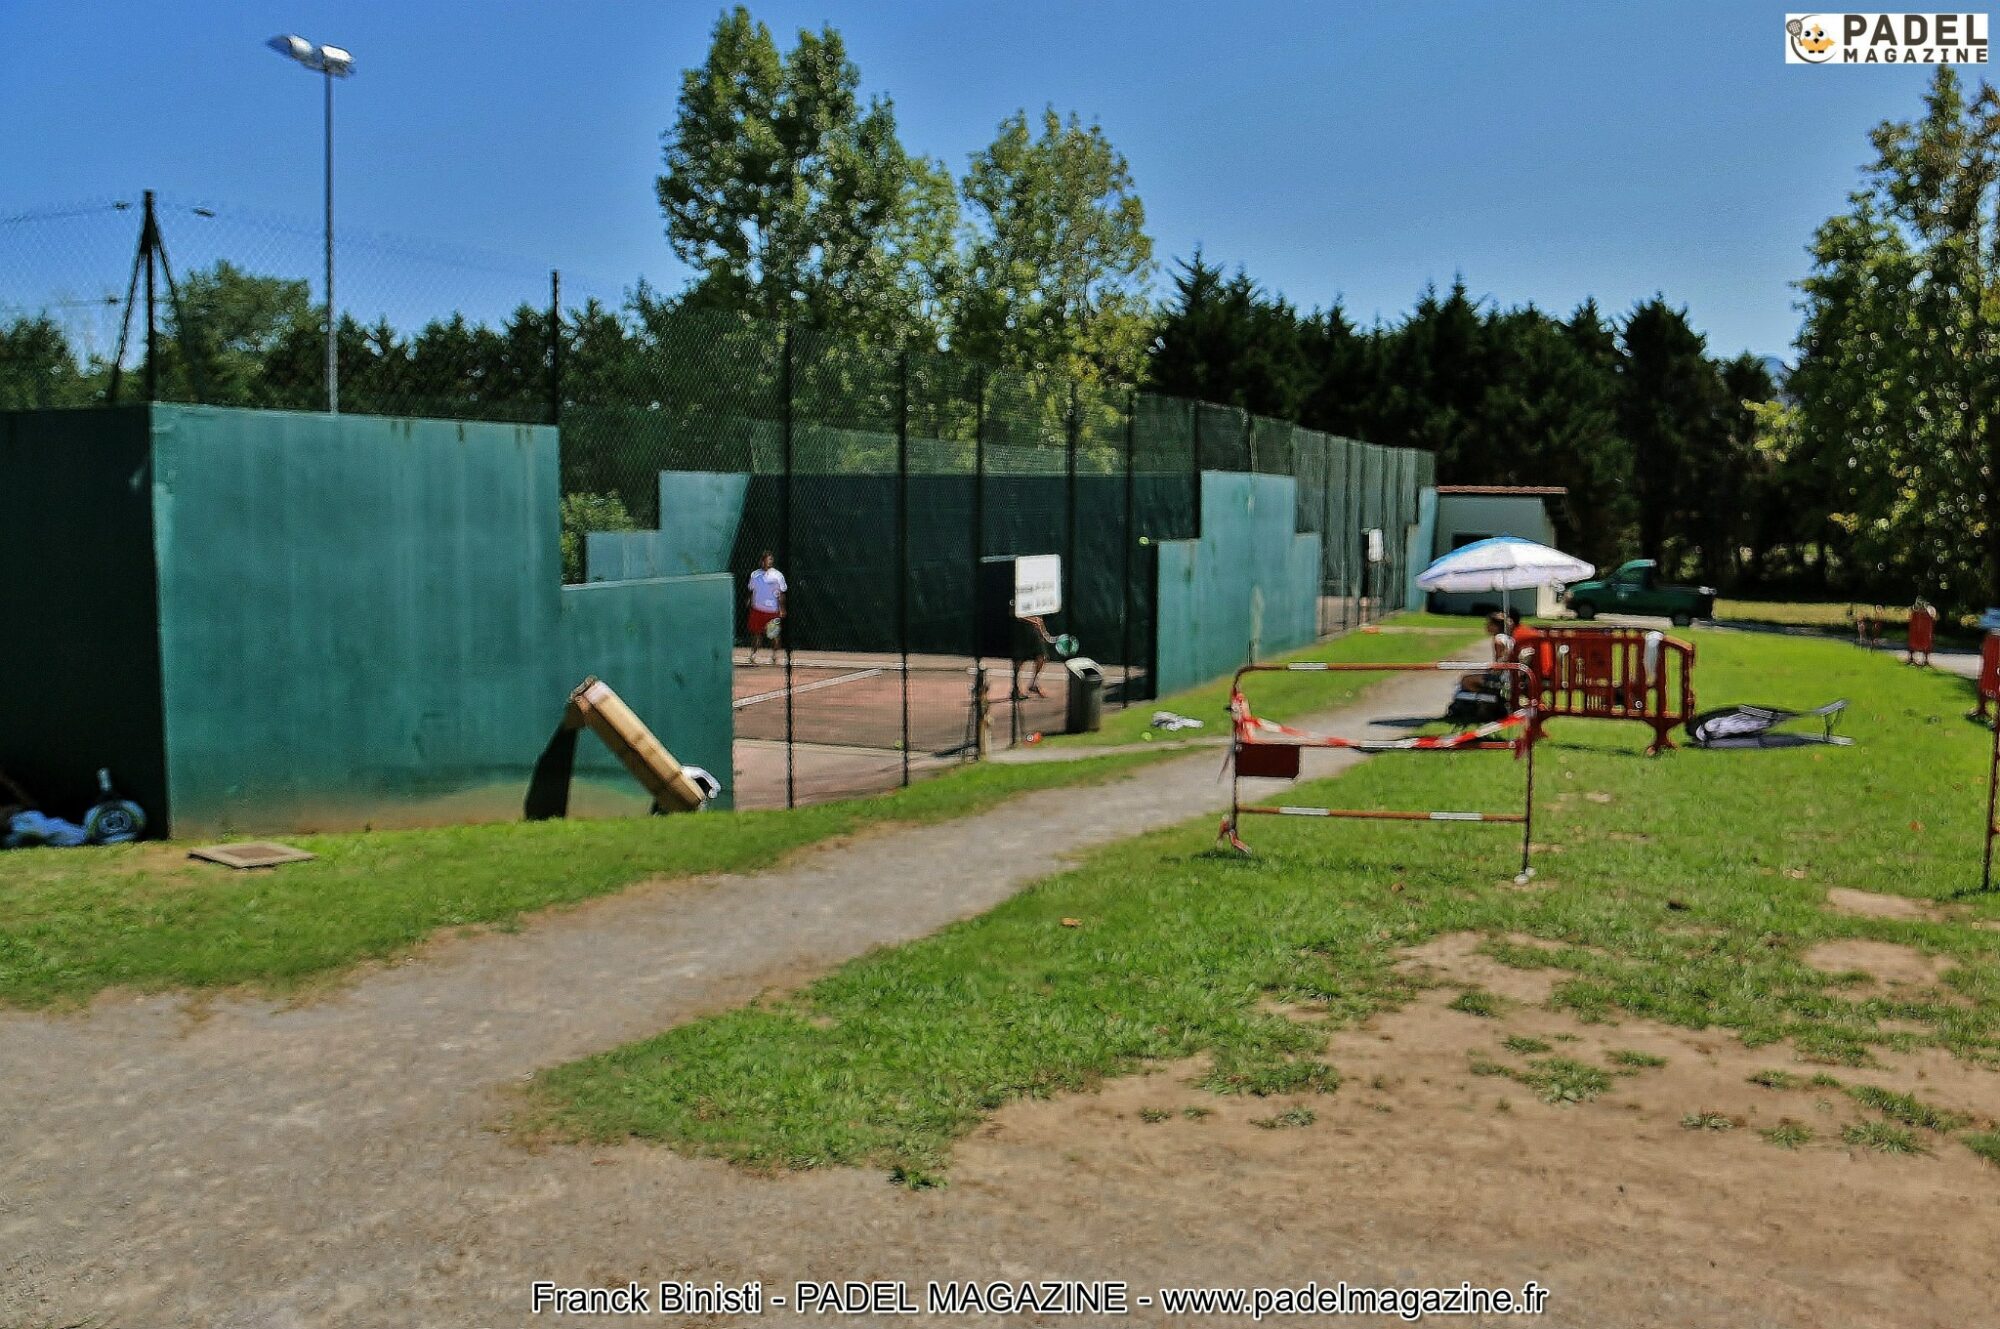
(1885, 39)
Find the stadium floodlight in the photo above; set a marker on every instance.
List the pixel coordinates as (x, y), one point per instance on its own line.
(330, 62)
(333, 61)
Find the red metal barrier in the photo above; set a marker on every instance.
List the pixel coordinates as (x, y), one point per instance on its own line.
(1992, 808)
(1989, 673)
(1265, 749)
(1988, 688)
(1604, 674)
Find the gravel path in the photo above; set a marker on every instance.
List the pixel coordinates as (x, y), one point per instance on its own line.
(237, 1162)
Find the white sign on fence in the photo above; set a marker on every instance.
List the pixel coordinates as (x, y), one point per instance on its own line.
(1037, 585)
(1375, 554)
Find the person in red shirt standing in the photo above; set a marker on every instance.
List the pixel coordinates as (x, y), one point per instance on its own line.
(1923, 630)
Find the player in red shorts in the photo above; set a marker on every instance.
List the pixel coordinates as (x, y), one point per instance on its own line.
(766, 597)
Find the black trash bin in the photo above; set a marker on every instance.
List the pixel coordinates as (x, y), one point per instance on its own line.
(1084, 709)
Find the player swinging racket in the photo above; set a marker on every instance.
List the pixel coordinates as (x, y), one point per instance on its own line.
(766, 599)
(1032, 642)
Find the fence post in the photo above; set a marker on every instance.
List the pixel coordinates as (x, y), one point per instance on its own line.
(979, 547)
(1072, 438)
(1326, 550)
(1131, 535)
(555, 346)
(1195, 476)
(149, 240)
(785, 550)
(1349, 505)
(1382, 515)
(903, 541)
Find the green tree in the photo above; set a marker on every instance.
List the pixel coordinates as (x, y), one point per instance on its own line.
(1599, 510)
(1226, 340)
(1549, 415)
(1786, 509)
(1897, 354)
(1434, 374)
(1341, 359)
(37, 366)
(1854, 385)
(226, 339)
(1733, 474)
(1668, 402)
(581, 514)
(794, 202)
(1058, 258)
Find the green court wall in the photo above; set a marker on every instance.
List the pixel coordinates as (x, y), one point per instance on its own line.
(79, 654)
(663, 645)
(1245, 589)
(699, 515)
(360, 621)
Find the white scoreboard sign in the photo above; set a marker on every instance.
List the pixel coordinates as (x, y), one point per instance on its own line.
(1037, 585)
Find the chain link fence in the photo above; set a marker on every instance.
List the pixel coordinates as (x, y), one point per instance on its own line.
(878, 479)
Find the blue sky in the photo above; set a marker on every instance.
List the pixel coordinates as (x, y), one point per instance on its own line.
(1547, 151)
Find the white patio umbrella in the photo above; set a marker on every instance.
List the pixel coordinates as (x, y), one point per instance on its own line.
(1504, 563)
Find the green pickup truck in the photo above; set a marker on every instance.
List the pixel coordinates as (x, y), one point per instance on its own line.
(1635, 588)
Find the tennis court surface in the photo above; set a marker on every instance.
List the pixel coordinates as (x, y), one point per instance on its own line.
(845, 717)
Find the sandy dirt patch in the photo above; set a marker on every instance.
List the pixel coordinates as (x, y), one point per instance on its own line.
(1455, 959)
(1885, 962)
(1417, 1169)
(1870, 904)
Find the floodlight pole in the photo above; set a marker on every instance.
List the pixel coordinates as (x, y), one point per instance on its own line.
(332, 318)
(329, 62)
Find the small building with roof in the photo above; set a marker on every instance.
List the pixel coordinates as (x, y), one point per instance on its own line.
(1461, 514)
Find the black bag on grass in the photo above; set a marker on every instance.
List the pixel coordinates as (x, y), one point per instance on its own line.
(1754, 726)
(1469, 707)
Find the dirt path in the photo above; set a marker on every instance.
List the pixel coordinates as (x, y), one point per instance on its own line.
(236, 1162)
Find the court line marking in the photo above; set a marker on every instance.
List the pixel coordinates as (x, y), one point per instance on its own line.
(751, 700)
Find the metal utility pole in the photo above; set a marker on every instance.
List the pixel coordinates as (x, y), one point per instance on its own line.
(330, 63)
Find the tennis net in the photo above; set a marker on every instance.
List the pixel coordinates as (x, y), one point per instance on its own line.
(859, 701)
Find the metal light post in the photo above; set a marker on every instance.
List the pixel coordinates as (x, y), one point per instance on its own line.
(330, 62)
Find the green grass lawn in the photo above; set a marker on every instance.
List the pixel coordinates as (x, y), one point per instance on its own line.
(1830, 616)
(1682, 888)
(1836, 618)
(1409, 639)
(75, 921)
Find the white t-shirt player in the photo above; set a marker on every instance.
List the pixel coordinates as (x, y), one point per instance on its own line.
(767, 589)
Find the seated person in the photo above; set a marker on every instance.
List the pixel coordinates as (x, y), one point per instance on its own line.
(1483, 696)
(1528, 637)
(1501, 645)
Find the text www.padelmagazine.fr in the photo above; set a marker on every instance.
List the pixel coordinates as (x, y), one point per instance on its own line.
(895, 1297)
